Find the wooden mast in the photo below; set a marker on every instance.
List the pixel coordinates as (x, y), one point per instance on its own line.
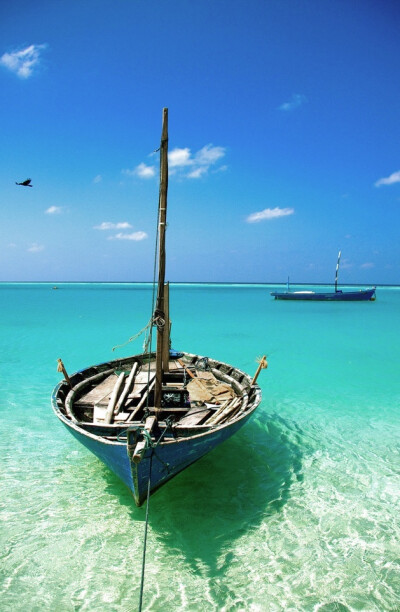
(159, 314)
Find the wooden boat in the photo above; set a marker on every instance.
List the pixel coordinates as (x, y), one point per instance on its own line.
(150, 416)
(360, 295)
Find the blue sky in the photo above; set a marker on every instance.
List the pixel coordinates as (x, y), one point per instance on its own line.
(284, 139)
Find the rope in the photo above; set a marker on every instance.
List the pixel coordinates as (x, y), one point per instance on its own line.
(155, 318)
(149, 444)
(132, 338)
(145, 536)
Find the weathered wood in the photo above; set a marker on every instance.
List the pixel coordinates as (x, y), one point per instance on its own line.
(263, 364)
(126, 390)
(162, 220)
(99, 413)
(212, 419)
(165, 344)
(185, 368)
(141, 446)
(229, 410)
(69, 400)
(194, 416)
(142, 381)
(142, 401)
(101, 392)
(61, 368)
(114, 398)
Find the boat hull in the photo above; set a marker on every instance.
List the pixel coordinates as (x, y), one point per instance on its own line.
(363, 295)
(161, 462)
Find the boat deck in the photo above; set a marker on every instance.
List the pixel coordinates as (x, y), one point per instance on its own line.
(106, 402)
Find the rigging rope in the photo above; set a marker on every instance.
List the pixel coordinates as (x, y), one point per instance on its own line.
(155, 319)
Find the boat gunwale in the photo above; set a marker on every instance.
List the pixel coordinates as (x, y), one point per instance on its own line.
(123, 426)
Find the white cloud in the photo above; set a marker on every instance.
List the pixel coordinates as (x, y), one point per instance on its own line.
(53, 210)
(107, 225)
(179, 157)
(137, 236)
(22, 62)
(142, 171)
(269, 213)
(35, 248)
(186, 165)
(345, 264)
(209, 155)
(389, 180)
(98, 179)
(197, 172)
(296, 101)
(367, 265)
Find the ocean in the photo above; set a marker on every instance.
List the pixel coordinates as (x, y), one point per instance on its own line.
(299, 511)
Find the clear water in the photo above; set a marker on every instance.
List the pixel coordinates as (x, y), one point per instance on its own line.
(298, 511)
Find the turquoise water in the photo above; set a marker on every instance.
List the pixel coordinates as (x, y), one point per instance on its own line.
(298, 511)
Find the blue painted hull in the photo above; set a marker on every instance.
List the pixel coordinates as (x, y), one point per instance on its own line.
(363, 295)
(168, 459)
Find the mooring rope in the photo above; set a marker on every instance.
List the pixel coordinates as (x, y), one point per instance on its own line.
(145, 536)
(149, 444)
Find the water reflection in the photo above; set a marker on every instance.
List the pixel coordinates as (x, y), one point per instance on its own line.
(202, 511)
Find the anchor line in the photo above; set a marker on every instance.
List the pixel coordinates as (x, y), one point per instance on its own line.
(145, 536)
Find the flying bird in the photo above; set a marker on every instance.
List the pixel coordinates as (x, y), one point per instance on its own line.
(26, 183)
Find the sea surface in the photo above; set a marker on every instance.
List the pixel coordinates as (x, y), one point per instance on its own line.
(298, 511)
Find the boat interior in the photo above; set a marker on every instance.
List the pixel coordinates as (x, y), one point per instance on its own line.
(198, 394)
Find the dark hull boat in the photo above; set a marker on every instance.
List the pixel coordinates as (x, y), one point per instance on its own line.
(327, 296)
(150, 416)
(362, 295)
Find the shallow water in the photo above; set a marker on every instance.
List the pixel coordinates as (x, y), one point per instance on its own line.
(298, 511)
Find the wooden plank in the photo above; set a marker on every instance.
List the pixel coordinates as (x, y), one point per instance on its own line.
(194, 416)
(142, 401)
(141, 381)
(99, 413)
(167, 329)
(127, 388)
(114, 398)
(100, 392)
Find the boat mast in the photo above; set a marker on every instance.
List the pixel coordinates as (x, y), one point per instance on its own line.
(337, 271)
(159, 313)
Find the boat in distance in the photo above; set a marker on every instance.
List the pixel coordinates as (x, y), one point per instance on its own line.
(338, 295)
(361, 295)
(150, 416)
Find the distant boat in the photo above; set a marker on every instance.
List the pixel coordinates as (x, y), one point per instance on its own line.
(150, 416)
(339, 295)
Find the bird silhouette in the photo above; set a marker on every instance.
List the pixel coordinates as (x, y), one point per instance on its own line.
(26, 183)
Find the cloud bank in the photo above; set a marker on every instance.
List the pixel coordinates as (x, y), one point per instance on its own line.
(22, 62)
